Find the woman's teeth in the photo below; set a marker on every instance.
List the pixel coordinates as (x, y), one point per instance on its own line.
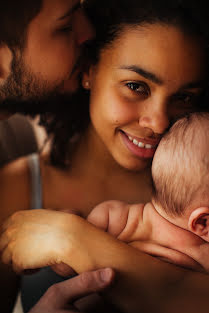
(140, 144)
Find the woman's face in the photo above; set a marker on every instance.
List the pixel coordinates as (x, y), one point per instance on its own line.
(147, 78)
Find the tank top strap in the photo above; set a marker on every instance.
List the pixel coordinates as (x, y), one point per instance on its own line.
(36, 181)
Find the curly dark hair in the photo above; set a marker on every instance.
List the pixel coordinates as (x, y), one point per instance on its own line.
(109, 18)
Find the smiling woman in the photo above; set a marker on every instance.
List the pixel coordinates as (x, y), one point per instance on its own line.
(148, 64)
(141, 83)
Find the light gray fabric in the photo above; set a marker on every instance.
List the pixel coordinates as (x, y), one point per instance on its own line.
(34, 286)
(36, 182)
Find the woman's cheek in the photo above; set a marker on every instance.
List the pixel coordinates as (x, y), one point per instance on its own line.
(121, 112)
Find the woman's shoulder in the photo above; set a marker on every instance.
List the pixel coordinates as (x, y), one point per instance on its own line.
(13, 171)
(15, 186)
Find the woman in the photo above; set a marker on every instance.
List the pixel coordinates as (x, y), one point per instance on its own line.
(150, 68)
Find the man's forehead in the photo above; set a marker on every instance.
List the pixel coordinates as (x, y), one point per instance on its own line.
(58, 8)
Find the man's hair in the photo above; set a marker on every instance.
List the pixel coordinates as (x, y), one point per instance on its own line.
(110, 18)
(180, 166)
(15, 15)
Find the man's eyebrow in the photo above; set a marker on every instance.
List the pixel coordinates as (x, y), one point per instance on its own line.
(146, 74)
(70, 11)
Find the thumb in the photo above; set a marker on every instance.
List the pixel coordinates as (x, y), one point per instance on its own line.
(81, 286)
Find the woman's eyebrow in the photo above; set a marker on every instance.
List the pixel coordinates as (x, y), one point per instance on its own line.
(146, 74)
(194, 84)
(70, 11)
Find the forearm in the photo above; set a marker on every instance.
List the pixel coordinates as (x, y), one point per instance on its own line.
(143, 284)
(142, 281)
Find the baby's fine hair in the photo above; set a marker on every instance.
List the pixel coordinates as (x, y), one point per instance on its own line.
(180, 166)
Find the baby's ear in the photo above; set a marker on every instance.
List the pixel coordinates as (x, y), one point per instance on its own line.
(199, 222)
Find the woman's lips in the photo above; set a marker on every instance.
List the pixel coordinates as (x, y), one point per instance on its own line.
(142, 148)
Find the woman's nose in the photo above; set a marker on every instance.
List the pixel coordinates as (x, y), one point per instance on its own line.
(83, 27)
(155, 119)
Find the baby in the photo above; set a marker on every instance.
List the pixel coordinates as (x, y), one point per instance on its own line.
(175, 224)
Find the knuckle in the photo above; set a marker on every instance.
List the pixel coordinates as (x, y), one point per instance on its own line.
(90, 280)
(87, 280)
(16, 216)
(53, 291)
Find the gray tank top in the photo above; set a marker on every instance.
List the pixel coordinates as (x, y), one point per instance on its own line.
(34, 286)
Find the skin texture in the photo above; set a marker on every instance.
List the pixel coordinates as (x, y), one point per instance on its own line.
(43, 67)
(72, 251)
(142, 107)
(61, 297)
(52, 48)
(141, 226)
(100, 163)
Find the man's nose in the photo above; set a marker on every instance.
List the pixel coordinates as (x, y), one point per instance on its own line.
(156, 119)
(83, 27)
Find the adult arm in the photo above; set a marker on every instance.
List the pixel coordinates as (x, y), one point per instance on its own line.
(143, 283)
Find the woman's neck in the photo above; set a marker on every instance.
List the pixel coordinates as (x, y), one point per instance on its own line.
(97, 177)
(92, 158)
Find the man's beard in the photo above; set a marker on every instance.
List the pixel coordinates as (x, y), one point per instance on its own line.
(24, 93)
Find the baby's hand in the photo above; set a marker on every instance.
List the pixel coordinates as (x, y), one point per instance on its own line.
(34, 239)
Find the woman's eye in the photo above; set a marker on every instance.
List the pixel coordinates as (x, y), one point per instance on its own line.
(186, 98)
(67, 28)
(137, 87)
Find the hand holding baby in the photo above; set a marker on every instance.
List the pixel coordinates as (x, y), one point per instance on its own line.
(34, 239)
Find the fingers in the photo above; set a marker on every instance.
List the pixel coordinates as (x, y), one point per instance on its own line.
(4, 240)
(63, 269)
(7, 255)
(79, 286)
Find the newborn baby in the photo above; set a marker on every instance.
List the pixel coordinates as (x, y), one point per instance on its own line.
(175, 224)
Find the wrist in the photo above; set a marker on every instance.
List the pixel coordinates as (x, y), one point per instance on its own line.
(76, 251)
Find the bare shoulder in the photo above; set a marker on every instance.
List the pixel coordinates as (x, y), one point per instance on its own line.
(14, 187)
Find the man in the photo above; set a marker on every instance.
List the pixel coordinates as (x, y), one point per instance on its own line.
(40, 43)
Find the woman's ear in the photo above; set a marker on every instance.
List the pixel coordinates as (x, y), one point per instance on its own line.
(199, 222)
(5, 62)
(87, 78)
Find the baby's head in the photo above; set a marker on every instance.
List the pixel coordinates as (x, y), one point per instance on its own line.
(180, 173)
